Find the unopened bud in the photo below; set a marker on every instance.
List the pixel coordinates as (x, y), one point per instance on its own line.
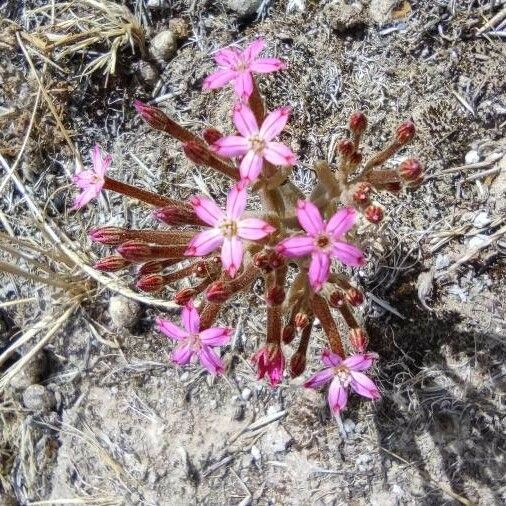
(297, 364)
(288, 334)
(211, 135)
(218, 292)
(405, 132)
(275, 296)
(346, 147)
(373, 213)
(184, 296)
(354, 296)
(175, 215)
(301, 321)
(111, 236)
(362, 192)
(410, 170)
(135, 251)
(151, 115)
(111, 263)
(358, 339)
(152, 267)
(196, 152)
(336, 298)
(151, 283)
(358, 122)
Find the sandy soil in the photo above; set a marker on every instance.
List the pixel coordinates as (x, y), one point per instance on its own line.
(122, 425)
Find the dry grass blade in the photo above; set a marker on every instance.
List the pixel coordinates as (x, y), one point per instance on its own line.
(92, 500)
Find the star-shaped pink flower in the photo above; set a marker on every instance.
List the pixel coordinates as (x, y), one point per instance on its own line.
(228, 229)
(343, 375)
(193, 342)
(323, 241)
(238, 66)
(255, 143)
(91, 181)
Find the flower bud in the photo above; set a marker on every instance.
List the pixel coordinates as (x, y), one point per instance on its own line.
(373, 213)
(184, 296)
(354, 296)
(135, 251)
(297, 364)
(346, 147)
(275, 296)
(358, 339)
(288, 334)
(152, 267)
(410, 170)
(111, 263)
(336, 298)
(218, 292)
(151, 115)
(174, 215)
(301, 321)
(151, 283)
(358, 122)
(405, 132)
(211, 135)
(111, 236)
(361, 192)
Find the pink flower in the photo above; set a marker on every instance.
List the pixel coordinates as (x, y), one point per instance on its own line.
(193, 342)
(228, 230)
(255, 144)
(238, 66)
(344, 374)
(91, 181)
(271, 362)
(323, 241)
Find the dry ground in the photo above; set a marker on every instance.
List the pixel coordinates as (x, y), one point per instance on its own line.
(121, 425)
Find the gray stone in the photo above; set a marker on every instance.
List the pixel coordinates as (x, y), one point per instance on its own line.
(246, 394)
(31, 373)
(148, 73)
(124, 312)
(163, 46)
(243, 8)
(381, 10)
(38, 398)
(343, 16)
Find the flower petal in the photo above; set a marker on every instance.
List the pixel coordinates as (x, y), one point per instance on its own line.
(251, 166)
(191, 318)
(226, 57)
(296, 246)
(204, 242)
(330, 359)
(231, 255)
(170, 330)
(348, 254)
(253, 50)
(360, 362)
(233, 145)
(244, 120)
(320, 378)
(83, 198)
(216, 336)
(243, 85)
(207, 210)
(309, 217)
(253, 229)
(210, 360)
(84, 179)
(236, 202)
(182, 354)
(341, 222)
(267, 65)
(319, 270)
(279, 154)
(218, 79)
(338, 397)
(101, 161)
(274, 123)
(363, 385)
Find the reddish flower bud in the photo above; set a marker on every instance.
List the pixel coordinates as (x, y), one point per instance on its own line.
(151, 283)
(405, 132)
(356, 158)
(197, 153)
(288, 334)
(361, 192)
(174, 215)
(358, 122)
(107, 235)
(211, 135)
(346, 147)
(218, 292)
(184, 296)
(152, 267)
(152, 115)
(410, 170)
(358, 339)
(261, 260)
(301, 321)
(354, 296)
(336, 298)
(373, 213)
(297, 364)
(135, 251)
(275, 296)
(111, 263)
(395, 187)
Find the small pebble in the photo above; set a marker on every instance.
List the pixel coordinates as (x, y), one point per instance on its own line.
(33, 372)
(163, 46)
(477, 241)
(148, 73)
(481, 219)
(243, 8)
(349, 426)
(124, 312)
(472, 157)
(255, 453)
(38, 398)
(246, 394)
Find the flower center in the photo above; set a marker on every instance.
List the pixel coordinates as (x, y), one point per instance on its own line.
(342, 373)
(257, 144)
(323, 242)
(241, 66)
(194, 341)
(229, 228)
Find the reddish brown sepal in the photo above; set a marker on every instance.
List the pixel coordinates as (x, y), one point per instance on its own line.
(111, 263)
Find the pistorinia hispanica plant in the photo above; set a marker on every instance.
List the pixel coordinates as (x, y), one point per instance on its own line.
(224, 251)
